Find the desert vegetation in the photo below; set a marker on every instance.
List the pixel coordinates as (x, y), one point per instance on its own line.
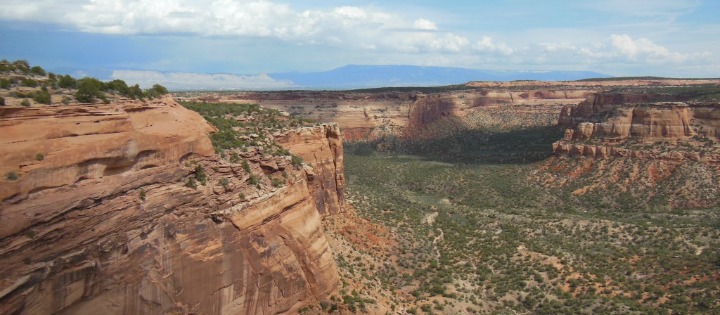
(21, 84)
(469, 230)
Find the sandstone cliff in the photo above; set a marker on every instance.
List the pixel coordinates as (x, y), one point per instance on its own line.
(607, 126)
(635, 145)
(321, 147)
(98, 215)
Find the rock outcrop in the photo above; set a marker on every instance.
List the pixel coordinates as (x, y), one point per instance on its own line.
(98, 215)
(321, 147)
(648, 149)
(603, 124)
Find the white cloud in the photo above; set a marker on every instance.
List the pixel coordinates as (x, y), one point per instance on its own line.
(486, 44)
(620, 48)
(347, 26)
(200, 81)
(423, 24)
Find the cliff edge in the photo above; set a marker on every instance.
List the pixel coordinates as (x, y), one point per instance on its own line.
(126, 209)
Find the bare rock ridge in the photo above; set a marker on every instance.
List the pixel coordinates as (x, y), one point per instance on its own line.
(99, 216)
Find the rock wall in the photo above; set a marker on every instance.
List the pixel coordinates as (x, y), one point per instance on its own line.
(659, 120)
(321, 147)
(101, 219)
(606, 126)
(368, 115)
(592, 108)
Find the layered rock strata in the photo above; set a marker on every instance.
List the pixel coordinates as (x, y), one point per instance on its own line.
(369, 114)
(98, 215)
(321, 147)
(605, 125)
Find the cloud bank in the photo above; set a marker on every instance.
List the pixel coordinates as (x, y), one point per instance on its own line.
(198, 81)
(371, 34)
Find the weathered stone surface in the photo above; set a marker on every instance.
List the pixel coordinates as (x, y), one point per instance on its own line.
(321, 147)
(104, 222)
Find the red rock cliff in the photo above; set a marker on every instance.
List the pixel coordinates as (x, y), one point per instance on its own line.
(100, 219)
(321, 147)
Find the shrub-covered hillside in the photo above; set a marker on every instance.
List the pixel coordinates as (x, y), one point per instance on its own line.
(24, 85)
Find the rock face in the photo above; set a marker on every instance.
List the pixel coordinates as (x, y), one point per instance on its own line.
(622, 115)
(100, 219)
(650, 150)
(659, 120)
(592, 108)
(370, 114)
(632, 129)
(321, 147)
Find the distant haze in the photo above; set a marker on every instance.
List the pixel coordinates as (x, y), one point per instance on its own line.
(201, 81)
(348, 77)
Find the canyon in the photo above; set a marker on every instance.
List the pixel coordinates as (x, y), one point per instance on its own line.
(408, 112)
(125, 208)
(154, 206)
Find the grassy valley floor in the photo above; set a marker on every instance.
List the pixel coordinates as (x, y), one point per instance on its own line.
(437, 236)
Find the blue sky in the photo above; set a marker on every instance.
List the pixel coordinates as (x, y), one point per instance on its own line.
(678, 38)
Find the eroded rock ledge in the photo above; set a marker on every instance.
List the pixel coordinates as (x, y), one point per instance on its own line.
(605, 125)
(100, 219)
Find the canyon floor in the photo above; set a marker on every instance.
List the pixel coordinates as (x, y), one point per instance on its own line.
(438, 237)
(457, 203)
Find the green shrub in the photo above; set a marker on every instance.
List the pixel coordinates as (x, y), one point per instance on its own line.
(296, 161)
(2, 101)
(200, 174)
(156, 90)
(142, 194)
(11, 176)
(39, 157)
(253, 180)
(67, 82)
(119, 86)
(88, 89)
(225, 183)
(29, 82)
(191, 182)
(246, 166)
(37, 70)
(234, 157)
(5, 83)
(26, 103)
(21, 65)
(42, 97)
(135, 92)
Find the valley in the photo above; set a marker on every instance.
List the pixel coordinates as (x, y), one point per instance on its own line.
(525, 198)
(486, 198)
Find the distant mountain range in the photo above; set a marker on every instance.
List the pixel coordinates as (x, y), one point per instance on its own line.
(347, 77)
(366, 76)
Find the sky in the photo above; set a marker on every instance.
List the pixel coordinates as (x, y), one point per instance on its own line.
(672, 38)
